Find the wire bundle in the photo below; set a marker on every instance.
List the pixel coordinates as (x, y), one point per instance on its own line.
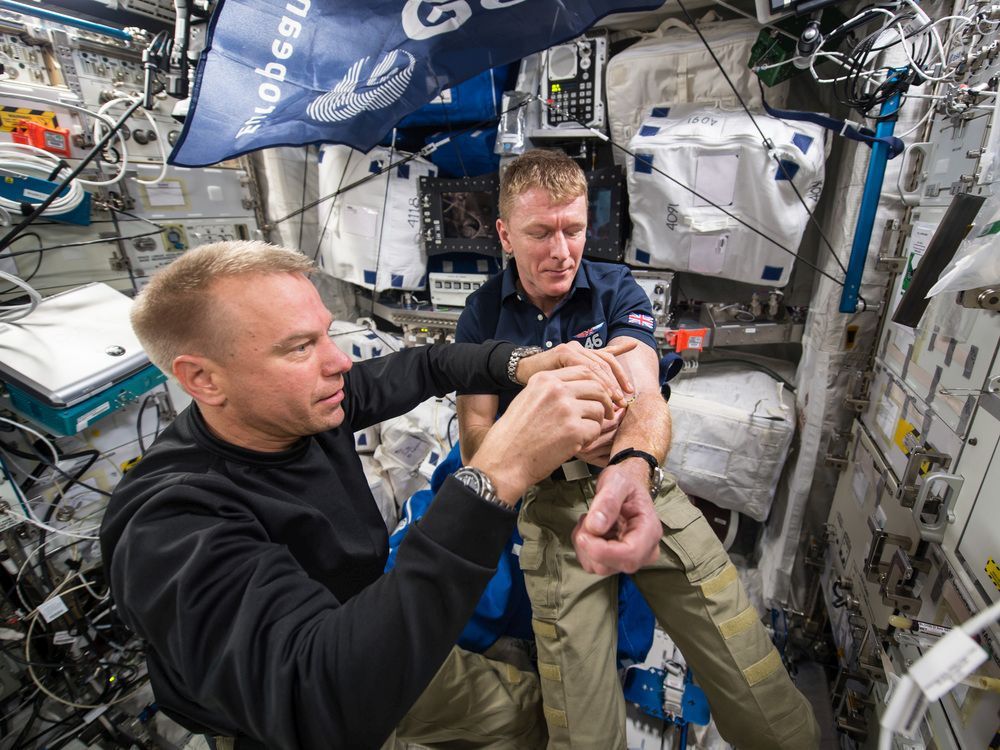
(81, 659)
(25, 160)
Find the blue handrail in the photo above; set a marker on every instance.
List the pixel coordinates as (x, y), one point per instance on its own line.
(51, 15)
(869, 199)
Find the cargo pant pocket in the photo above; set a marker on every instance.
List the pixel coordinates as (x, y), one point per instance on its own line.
(540, 573)
(689, 537)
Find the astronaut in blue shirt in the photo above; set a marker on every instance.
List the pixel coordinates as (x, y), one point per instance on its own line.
(549, 296)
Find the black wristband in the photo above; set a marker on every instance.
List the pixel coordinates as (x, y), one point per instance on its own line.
(635, 453)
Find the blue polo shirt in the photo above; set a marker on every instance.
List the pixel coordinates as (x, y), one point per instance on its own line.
(605, 302)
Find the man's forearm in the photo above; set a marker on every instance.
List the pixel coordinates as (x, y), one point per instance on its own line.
(470, 440)
(645, 426)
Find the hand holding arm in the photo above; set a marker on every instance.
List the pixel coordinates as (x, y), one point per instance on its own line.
(621, 530)
(603, 363)
(551, 419)
(597, 452)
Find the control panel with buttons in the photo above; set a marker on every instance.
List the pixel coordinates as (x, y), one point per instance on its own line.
(572, 83)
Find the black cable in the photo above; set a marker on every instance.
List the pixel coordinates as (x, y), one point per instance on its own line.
(302, 199)
(766, 141)
(83, 243)
(329, 214)
(38, 261)
(36, 455)
(36, 709)
(35, 738)
(156, 44)
(731, 215)
(850, 88)
(381, 228)
(746, 363)
(449, 131)
(38, 209)
(55, 467)
(708, 201)
(477, 126)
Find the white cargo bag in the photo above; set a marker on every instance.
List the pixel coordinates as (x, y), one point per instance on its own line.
(375, 225)
(359, 340)
(671, 66)
(413, 444)
(719, 154)
(732, 429)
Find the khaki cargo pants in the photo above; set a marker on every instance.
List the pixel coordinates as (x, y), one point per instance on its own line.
(695, 593)
(476, 702)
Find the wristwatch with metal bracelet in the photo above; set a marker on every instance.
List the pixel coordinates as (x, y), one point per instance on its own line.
(480, 483)
(516, 356)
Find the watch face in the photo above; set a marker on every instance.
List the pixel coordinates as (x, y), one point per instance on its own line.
(470, 478)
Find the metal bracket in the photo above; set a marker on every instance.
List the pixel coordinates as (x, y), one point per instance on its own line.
(898, 577)
(983, 298)
(933, 531)
(891, 258)
(836, 456)
(908, 488)
(858, 388)
(890, 264)
(875, 569)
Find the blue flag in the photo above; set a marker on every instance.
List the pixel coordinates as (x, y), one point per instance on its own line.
(293, 72)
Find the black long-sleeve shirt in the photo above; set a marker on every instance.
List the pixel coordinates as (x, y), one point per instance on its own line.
(256, 578)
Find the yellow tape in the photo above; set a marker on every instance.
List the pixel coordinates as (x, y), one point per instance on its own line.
(554, 717)
(714, 585)
(549, 672)
(11, 116)
(993, 571)
(513, 674)
(763, 669)
(543, 629)
(739, 624)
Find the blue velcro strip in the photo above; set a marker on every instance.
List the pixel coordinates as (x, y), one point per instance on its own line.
(772, 273)
(642, 256)
(787, 169)
(803, 142)
(644, 164)
(648, 130)
(369, 277)
(660, 111)
(396, 280)
(403, 170)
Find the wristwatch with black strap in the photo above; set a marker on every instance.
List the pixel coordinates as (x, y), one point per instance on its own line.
(655, 472)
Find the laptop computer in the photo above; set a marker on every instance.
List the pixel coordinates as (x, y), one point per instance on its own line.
(72, 346)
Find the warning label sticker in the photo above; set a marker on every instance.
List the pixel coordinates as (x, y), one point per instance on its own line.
(11, 116)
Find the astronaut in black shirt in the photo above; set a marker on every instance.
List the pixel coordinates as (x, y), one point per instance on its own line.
(246, 548)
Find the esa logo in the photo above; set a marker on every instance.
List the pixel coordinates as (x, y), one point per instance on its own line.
(423, 19)
(591, 338)
(384, 83)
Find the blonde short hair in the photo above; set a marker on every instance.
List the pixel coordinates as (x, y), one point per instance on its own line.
(552, 171)
(176, 314)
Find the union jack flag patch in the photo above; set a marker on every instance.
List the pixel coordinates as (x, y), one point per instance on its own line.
(638, 319)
